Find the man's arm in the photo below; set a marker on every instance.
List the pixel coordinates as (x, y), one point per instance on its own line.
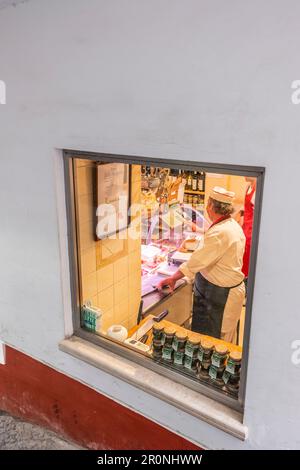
(170, 281)
(212, 250)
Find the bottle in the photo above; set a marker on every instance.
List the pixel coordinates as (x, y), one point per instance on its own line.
(169, 334)
(199, 205)
(234, 362)
(189, 181)
(219, 356)
(192, 345)
(179, 342)
(194, 181)
(204, 356)
(231, 376)
(201, 182)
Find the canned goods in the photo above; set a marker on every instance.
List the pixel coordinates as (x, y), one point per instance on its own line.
(167, 353)
(216, 375)
(205, 350)
(178, 358)
(234, 362)
(219, 355)
(190, 362)
(179, 342)
(168, 337)
(192, 346)
(157, 331)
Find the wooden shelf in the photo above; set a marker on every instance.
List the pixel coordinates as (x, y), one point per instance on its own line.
(189, 191)
(180, 329)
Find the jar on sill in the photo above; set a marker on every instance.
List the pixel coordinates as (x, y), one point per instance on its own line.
(191, 362)
(179, 342)
(157, 355)
(234, 362)
(216, 375)
(178, 357)
(205, 350)
(205, 364)
(203, 372)
(168, 337)
(157, 346)
(157, 331)
(233, 379)
(167, 353)
(192, 346)
(219, 356)
(234, 390)
(232, 382)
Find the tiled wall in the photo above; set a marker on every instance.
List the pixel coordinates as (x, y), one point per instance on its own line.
(115, 286)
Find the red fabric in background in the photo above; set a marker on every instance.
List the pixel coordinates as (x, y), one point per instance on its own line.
(247, 228)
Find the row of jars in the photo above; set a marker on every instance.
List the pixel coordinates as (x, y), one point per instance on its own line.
(212, 363)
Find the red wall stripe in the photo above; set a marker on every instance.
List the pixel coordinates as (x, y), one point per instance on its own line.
(37, 393)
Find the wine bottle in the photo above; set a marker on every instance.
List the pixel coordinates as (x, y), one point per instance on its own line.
(201, 182)
(194, 181)
(189, 181)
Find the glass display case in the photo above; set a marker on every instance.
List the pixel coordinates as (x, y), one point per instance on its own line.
(173, 223)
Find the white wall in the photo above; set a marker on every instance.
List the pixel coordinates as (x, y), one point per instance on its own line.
(202, 80)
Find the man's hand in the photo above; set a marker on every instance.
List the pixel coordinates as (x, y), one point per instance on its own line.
(168, 281)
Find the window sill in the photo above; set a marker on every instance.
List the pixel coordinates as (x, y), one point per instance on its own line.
(178, 395)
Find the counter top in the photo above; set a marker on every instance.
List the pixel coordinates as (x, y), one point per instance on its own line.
(156, 297)
(151, 296)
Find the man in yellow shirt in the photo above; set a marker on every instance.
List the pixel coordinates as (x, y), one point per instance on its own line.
(216, 269)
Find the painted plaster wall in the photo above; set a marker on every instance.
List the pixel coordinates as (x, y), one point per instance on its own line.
(191, 80)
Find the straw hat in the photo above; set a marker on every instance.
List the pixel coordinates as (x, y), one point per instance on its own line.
(222, 195)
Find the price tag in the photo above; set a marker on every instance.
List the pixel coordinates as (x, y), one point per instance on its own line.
(178, 358)
(226, 376)
(230, 367)
(167, 353)
(189, 350)
(175, 344)
(188, 362)
(213, 372)
(215, 360)
(200, 355)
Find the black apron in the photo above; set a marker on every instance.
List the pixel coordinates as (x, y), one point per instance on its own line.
(208, 306)
(209, 302)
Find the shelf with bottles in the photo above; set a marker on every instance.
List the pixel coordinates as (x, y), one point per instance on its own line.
(189, 191)
(193, 199)
(195, 182)
(163, 186)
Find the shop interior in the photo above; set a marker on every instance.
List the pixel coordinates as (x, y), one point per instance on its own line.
(135, 225)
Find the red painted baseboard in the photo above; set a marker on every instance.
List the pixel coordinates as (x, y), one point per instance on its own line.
(37, 393)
